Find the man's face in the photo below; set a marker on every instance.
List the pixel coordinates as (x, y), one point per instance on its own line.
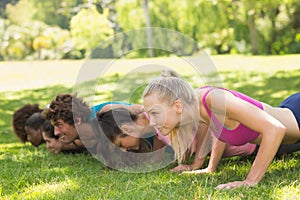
(66, 132)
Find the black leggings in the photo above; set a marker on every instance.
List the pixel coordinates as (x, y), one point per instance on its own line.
(283, 149)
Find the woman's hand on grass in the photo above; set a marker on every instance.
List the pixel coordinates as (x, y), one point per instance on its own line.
(197, 164)
(181, 168)
(235, 184)
(56, 147)
(199, 171)
(187, 168)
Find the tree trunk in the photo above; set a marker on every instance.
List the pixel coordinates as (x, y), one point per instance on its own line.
(148, 27)
(252, 27)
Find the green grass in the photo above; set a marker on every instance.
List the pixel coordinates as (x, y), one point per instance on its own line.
(33, 173)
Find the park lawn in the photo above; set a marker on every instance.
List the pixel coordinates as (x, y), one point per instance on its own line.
(33, 173)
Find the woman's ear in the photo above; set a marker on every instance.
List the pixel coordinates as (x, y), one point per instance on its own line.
(126, 129)
(178, 106)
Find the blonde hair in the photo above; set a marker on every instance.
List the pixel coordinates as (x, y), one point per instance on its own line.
(167, 72)
(171, 87)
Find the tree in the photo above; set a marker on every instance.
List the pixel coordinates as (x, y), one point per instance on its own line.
(22, 8)
(148, 27)
(251, 13)
(89, 28)
(3, 4)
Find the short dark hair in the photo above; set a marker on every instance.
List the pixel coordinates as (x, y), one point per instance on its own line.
(35, 121)
(110, 121)
(48, 129)
(67, 107)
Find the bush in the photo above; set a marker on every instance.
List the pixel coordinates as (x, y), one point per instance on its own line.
(89, 28)
(35, 40)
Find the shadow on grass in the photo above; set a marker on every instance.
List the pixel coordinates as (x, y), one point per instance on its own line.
(26, 169)
(271, 89)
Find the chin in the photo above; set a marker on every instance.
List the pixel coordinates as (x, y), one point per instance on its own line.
(165, 132)
(65, 141)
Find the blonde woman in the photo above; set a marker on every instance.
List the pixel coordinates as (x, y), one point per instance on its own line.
(174, 108)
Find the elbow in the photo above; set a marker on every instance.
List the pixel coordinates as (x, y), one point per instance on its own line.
(275, 131)
(280, 130)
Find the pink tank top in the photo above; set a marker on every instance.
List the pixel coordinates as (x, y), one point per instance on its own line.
(241, 134)
(243, 150)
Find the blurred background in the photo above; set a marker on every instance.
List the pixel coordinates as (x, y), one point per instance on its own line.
(71, 29)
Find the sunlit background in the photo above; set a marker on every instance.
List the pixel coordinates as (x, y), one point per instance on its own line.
(71, 29)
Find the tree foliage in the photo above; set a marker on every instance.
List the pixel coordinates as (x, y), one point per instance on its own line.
(233, 26)
(89, 28)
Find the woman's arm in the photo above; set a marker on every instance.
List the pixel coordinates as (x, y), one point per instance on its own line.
(57, 146)
(201, 151)
(272, 132)
(87, 136)
(112, 106)
(215, 158)
(75, 145)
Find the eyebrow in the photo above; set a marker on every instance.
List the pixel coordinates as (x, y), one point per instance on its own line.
(149, 110)
(152, 108)
(56, 123)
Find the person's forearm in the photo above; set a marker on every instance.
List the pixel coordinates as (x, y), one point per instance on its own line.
(200, 137)
(267, 150)
(216, 155)
(197, 163)
(75, 145)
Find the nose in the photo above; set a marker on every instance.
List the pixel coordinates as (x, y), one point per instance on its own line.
(56, 131)
(152, 122)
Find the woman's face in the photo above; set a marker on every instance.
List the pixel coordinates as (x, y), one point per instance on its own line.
(127, 143)
(34, 136)
(52, 144)
(163, 116)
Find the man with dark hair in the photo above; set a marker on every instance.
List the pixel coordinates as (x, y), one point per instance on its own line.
(66, 113)
(72, 117)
